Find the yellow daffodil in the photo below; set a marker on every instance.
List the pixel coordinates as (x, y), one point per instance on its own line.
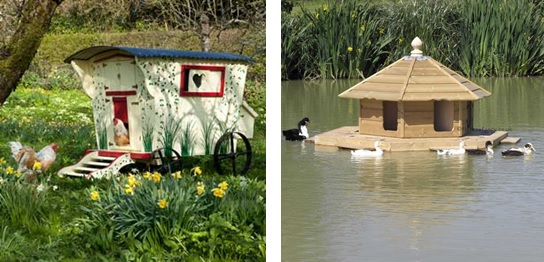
(129, 190)
(350, 48)
(218, 192)
(95, 196)
(162, 203)
(3, 161)
(197, 171)
(224, 185)
(133, 181)
(176, 175)
(10, 170)
(200, 188)
(325, 8)
(37, 165)
(18, 173)
(147, 175)
(157, 177)
(382, 31)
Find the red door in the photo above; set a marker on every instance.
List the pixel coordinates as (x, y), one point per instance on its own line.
(120, 109)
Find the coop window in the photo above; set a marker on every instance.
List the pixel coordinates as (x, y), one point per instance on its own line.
(202, 80)
(390, 114)
(443, 116)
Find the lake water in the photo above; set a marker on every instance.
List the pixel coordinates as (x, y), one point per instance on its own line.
(412, 206)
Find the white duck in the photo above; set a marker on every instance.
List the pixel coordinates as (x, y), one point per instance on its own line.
(453, 151)
(363, 152)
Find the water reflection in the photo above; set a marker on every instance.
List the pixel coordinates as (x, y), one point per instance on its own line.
(413, 206)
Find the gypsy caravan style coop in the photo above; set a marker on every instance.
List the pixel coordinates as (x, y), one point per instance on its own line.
(414, 104)
(151, 107)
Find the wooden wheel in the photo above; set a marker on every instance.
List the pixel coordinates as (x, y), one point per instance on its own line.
(167, 163)
(231, 156)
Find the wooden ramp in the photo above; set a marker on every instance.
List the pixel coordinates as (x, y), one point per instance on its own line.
(348, 137)
(97, 164)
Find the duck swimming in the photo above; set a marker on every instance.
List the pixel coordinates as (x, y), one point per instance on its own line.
(363, 152)
(526, 150)
(487, 151)
(299, 133)
(453, 151)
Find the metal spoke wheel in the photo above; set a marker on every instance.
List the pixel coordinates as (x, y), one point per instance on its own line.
(231, 156)
(166, 163)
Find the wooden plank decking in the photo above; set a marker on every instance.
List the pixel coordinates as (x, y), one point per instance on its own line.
(348, 137)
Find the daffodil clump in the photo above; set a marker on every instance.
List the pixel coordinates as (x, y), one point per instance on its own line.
(156, 207)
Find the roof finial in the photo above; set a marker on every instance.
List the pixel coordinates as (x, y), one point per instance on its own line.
(417, 44)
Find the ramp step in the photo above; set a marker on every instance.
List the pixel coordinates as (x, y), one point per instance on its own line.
(74, 174)
(86, 169)
(95, 163)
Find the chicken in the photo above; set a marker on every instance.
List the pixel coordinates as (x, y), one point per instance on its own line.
(120, 137)
(26, 157)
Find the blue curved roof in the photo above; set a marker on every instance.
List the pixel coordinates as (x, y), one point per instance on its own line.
(88, 53)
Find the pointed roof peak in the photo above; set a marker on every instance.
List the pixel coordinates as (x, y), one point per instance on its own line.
(417, 44)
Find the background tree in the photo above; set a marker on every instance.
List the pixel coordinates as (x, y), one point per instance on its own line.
(205, 16)
(23, 23)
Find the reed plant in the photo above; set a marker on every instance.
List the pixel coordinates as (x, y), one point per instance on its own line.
(501, 38)
(435, 22)
(351, 39)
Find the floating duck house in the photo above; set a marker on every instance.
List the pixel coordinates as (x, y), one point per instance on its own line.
(414, 104)
(162, 98)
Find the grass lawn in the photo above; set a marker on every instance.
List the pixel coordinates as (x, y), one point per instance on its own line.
(195, 214)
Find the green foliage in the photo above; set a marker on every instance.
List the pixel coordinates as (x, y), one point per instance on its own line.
(465, 35)
(353, 48)
(130, 215)
(43, 220)
(501, 38)
(436, 22)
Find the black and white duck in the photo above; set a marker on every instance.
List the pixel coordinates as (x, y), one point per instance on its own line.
(487, 151)
(299, 133)
(520, 151)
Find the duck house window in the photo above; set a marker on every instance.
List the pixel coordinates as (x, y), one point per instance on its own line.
(443, 116)
(390, 115)
(202, 80)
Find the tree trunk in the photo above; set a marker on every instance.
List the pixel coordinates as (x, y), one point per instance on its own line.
(18, 54)
(205, 32)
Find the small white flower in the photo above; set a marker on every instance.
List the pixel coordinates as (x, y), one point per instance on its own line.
(55, 187)
(40, 188)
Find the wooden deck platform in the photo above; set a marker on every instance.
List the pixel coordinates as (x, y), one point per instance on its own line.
(348, 137)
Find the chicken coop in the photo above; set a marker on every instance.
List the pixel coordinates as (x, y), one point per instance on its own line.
(152, 107)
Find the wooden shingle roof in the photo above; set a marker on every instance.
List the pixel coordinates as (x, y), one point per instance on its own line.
(416, 78)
